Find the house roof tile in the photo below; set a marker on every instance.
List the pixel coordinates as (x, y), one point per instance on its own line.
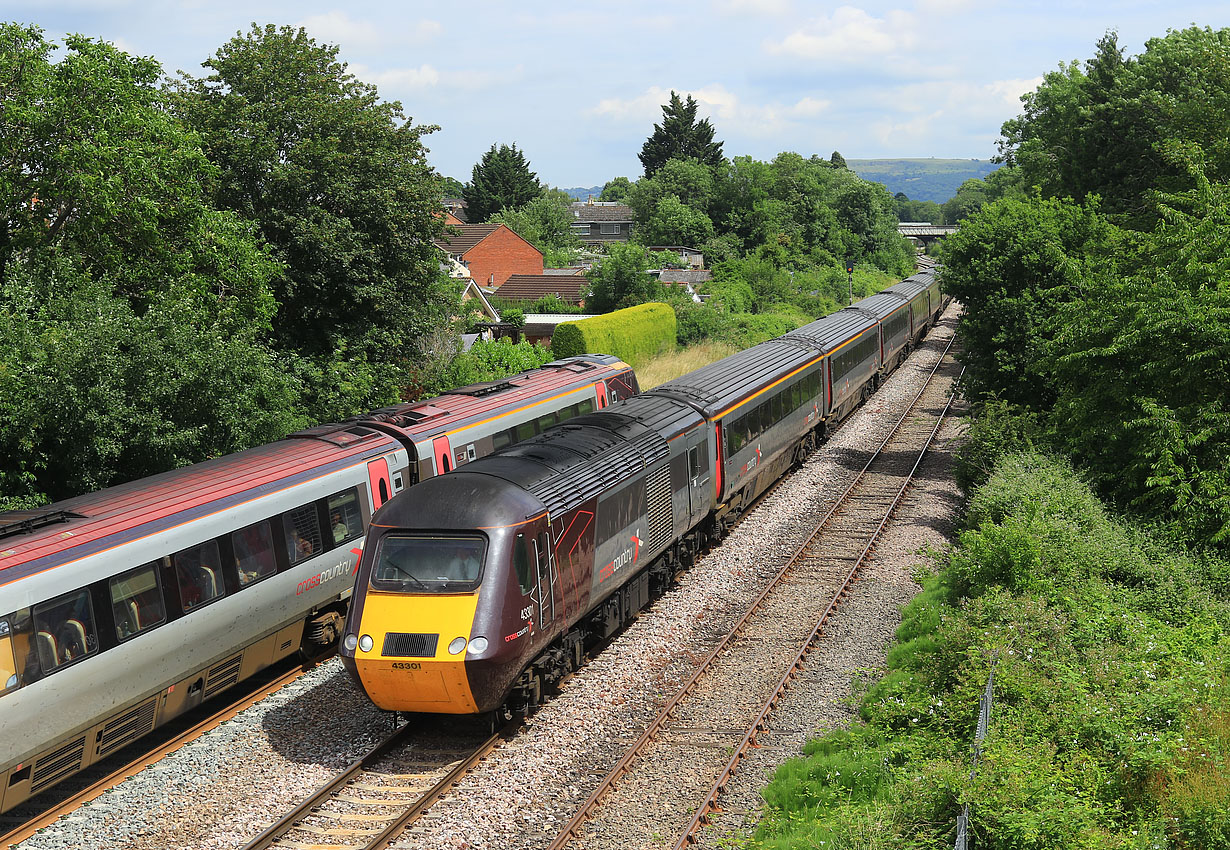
(468, 235)
(531, 287)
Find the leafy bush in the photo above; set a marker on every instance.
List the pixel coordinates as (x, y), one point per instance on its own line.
(485, 361)
(633, 334)
(1108, 730)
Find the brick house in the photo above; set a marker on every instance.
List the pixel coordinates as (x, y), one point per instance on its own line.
(601, 222)
(491, 252)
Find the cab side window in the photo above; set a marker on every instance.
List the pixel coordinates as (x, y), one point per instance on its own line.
(302, 529)
(199, 570)
(136, 601)
(345, 517)
(8, 663)
(64, 630)
(254, 558)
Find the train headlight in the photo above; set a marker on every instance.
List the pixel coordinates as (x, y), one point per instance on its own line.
(350, 642)
(365, 643)
(457, 646)
(478, 646)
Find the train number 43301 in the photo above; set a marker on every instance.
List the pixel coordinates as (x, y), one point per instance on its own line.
(407, 665)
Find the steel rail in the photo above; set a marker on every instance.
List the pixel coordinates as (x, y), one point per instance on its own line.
(132, 768)
(570, 830)
(709, 804)
(414, 809)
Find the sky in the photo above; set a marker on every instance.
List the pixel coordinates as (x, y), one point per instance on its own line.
(579, 86)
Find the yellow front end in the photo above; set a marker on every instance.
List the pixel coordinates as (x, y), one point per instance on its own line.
(435, 684)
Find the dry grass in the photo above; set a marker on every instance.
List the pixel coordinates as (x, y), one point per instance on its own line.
(667, 367)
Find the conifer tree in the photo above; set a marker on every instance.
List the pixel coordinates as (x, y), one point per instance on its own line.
(680, 136)
(500, 180)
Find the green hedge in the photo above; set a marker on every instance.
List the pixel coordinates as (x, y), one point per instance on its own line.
(634, 334)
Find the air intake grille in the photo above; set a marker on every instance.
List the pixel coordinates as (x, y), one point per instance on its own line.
(53, 767)
(127, 727)
(397, 644)
(661, 519)
(222, 675)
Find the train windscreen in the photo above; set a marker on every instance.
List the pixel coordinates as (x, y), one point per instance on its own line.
(418, 563)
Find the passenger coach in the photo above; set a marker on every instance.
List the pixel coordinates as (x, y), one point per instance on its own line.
(122, 609)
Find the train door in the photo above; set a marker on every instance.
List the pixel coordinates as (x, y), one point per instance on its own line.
(378, 478)
(600, 389)
(698, 472)
(443, 454)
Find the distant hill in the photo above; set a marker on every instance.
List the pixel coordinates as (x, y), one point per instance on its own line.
(922, 179)
(583, 194)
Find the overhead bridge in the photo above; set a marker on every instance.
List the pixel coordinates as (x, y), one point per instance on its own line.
(925, 234)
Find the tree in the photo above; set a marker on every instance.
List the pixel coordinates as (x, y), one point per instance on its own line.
(1099, 129)
(675, 223)
(500, 180)
(545, 222)
(125, 297)
(336, 181)
(621, 279)
(1013, 266)
(94, 167)
(616, 190)
(1142, 362)
(680, 136)
(451, 187)
(837, 160)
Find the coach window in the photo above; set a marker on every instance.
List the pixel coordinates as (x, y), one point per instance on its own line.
(545, 422)
(254, 557)
(64, 630)
(199, 571)
(584, 407)
(302, 528)
(345, 518)
(136, 601)
(502, 439)
(8, 666)
(524, 431)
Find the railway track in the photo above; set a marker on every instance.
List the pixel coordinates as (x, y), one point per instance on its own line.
(368, 805)
(716, 715)
(65, 805)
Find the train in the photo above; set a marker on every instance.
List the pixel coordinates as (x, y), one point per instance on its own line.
(122, 609)
(480, 590)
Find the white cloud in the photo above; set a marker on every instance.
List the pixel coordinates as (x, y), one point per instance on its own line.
(730, 115)
(810, 107)
(422, 77)
(926, 110)
(357, 36)
(848, 35)
(392, 81)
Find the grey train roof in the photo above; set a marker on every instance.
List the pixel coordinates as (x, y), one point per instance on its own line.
(881, 305)
(713, 388)
(832, 331)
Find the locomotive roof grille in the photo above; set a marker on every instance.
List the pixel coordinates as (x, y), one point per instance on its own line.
(13, 523)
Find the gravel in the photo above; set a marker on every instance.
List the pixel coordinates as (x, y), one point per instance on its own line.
(228, 786)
